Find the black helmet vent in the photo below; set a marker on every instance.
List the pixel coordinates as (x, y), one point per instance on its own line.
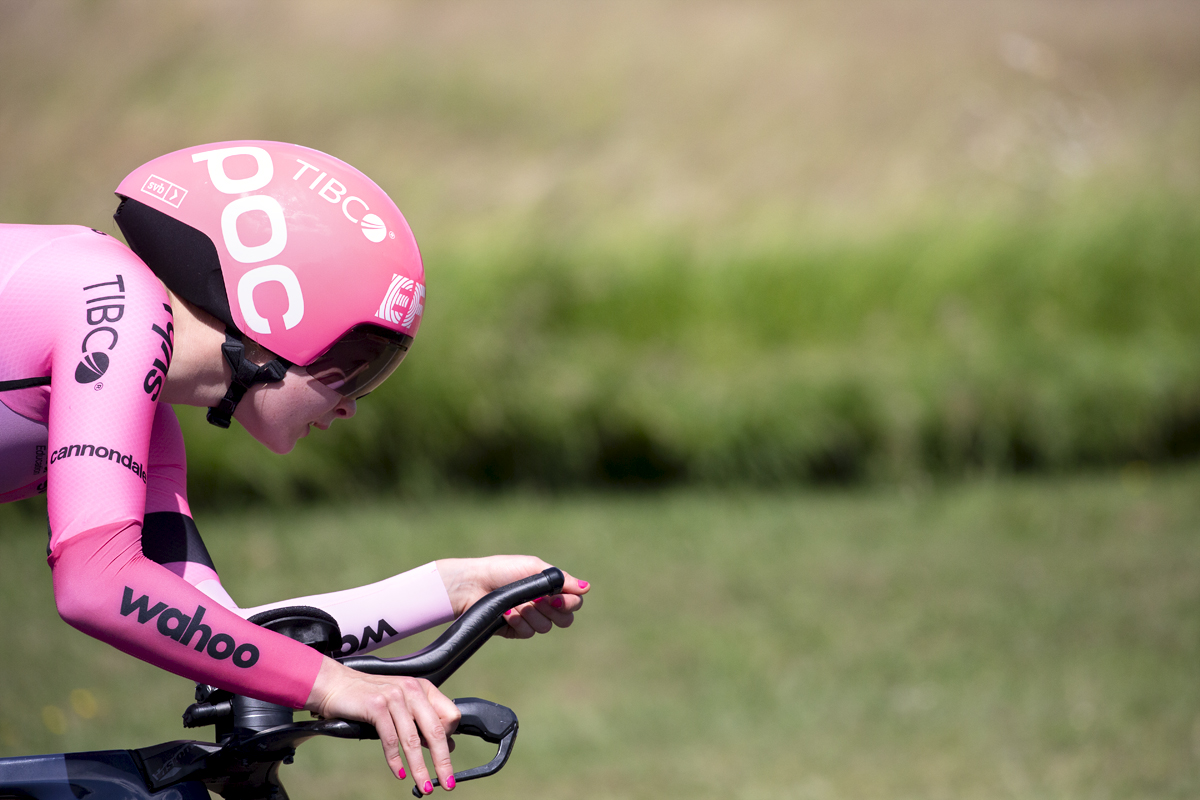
(182, 257)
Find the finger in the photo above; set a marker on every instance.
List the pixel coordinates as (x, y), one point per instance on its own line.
(444, 707)
(435, 737)
(569, 603)
(517, 628)
(560, 619)
(558, 609)
(536, 619)
(572, 585)
(545, 606)
(390, 739)
(410, 744)
(449, 743)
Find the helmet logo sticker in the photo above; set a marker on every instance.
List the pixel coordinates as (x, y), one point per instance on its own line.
(227, 185)
(373, 228)
(272, 273)
(418, 305)
(170, 193)
(252, 254)
(395, 300)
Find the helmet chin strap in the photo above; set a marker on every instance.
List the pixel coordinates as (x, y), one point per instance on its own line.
(245, 374)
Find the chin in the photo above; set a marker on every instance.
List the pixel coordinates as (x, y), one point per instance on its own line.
(281, 445)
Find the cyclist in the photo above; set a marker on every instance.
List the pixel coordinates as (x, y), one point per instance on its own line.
(293, 286)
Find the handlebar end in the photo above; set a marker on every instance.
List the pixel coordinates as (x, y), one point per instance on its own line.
(556, 578)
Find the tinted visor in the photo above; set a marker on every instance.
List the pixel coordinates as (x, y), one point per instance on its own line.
(360, 360)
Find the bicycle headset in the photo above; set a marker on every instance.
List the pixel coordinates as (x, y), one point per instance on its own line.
(290, 248)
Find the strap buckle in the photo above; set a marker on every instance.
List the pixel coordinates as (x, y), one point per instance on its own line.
(245, 374)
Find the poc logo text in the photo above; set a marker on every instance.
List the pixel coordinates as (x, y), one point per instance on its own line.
(257, 253)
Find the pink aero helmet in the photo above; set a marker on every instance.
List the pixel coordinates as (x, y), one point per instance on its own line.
(289, 247)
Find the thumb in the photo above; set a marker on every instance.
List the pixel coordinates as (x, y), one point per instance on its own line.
(572, 585)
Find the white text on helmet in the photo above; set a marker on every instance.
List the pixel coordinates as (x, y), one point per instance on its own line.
(277, 273)
(227, 185)
(335, 191)
(254, 254)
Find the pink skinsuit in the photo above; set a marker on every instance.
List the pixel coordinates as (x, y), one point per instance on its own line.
(88, 339)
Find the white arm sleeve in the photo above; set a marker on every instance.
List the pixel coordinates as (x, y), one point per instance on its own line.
(380, 613)
(369, 616)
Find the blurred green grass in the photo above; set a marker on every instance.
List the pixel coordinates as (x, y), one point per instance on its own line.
(995, 638)
(1062, 338)
(715, 242)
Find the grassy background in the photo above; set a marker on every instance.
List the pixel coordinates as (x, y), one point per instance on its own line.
(755, 242)
(1002, 638)
(744, 245)
(1001, 345)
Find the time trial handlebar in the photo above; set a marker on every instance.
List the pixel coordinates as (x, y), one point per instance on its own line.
(254, 736)
(468, 633)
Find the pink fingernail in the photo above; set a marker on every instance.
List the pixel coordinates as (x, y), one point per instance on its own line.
(557, 602)
(450, 783)
(540, 599)
(583, 584)
(402, 774)
(428, 787)
(506, 613)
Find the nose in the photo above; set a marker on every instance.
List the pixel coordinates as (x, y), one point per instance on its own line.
(346, 408)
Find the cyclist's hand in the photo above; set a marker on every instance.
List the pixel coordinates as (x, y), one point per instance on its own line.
(407, 712)
(468, 579)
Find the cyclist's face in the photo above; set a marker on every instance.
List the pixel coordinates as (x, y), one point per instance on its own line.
(280, 414)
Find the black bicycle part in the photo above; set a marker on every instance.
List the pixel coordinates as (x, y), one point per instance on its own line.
(305, 624)
(96, 775)
(491, 722)
(244, 768)
(231, 713)
(255, 737)
(468, 633)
